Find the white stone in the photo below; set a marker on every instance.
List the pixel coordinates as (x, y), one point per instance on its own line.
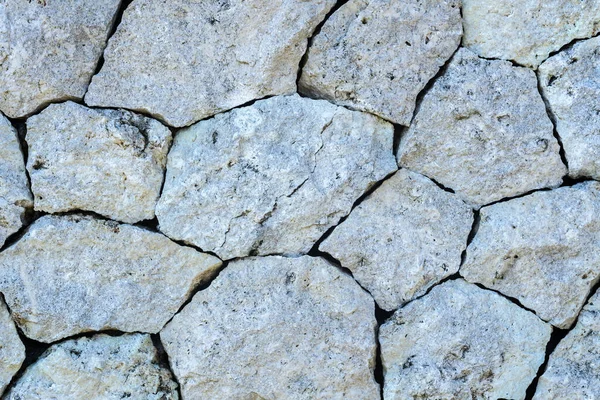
(402, 239)
(377, 55)
(483, 131)
(542, 249)
(272, 177)
(276, 328)
(107, 161)
(12, 351)
(76, 274)
(461, 342)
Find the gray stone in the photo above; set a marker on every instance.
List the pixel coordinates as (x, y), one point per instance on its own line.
(271, 178)
(377, 55)
(183, 61)
(461, 342)
(76, 274)
(404, 238)
(276, 328)
(49, 50)
(12, 351)
(542, 249)
(107, 161)
(483, 131)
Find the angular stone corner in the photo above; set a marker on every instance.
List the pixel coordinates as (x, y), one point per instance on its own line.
(12, 351)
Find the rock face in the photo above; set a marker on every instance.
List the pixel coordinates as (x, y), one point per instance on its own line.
(12, 351)
(183, 60)
(483, 131)
(570, 82)
(76, 274)
(461, 342)
(107, 161)
(284, 170)
(276, 328)
(377, 55)
(49, 50)
(404, 238)
(540, 249)
(527, 31)
(97, 368)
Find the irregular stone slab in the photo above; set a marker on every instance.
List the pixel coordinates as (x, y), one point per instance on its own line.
(97, 368)
(76, 274)
(404, 238)
(527, 31)
(107, 161)
(12, 351)
(540, 249)
(183, 61)
(276, 328)
(49, 50)
(377, 55)
(271, 178)
(483, 131)
(570, 82)
(461, 342)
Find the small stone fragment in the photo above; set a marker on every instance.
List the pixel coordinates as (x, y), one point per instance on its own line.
(183, 61)
(97, 368)
(404, 238)
(12, 351)
(75, 274)
(107, 161)
(276, 328)
(570, 82)
(49, 50)
(482, 130)
(527, 31)
(377, 55)
(541, 249)
(461, 342)
(272, 177)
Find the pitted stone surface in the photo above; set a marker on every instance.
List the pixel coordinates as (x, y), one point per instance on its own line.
(271, 178)
(405, 237)
(12, 351)
(276, 328)
(461, 342)
(76, 274)
(541, 249)
(107, 161)
(482, 130)
(377, 55)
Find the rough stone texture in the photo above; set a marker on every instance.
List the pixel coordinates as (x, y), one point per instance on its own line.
(98, 368)
(461, 342)
(570, 82)
(483, 131)
(541, 249)
(527, 31)
(183, 60)
(405, 237)
(271, 178)
(12, 351)
(76, 274)
(15, 197)
(49, 50)
(573, 370)
(377, 55)
(107, 161)
(276, 328)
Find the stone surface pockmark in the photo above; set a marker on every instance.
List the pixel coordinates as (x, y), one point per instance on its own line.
(76, 274)
(12, 351)
(461, 342)
(405, 237)
(483, 131)
(97, 368)
(541, 249)
(183, 61)
(49, 50)
(377, 55)
(527, 31)
(570, 82)
(107, 161)
(271, 178)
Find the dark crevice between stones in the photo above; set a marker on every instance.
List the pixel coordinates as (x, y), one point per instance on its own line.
(164, 362)
(513, 62)
(568, 46)
(399, 132)
(187, 244)
(555, 338)
(29, 218)
(148, 224)
(517, 196)
(569, 181)
(511, 299)
(470, 236)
